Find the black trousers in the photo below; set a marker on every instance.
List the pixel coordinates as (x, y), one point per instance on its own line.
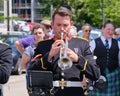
(69, 91)
(37, 91)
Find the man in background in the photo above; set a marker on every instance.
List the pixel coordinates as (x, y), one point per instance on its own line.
(27, 56)
(107, 51)
(21, 44)
(48, 29)
(6, 62)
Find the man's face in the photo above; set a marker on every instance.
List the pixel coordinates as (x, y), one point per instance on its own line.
(39, 34)
(61, 24)
(48, 30)
(108, 31)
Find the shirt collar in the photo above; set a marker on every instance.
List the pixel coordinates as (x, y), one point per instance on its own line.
(56, 38)
(103, 39)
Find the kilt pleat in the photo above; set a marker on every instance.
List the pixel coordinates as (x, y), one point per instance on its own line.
(113, 85)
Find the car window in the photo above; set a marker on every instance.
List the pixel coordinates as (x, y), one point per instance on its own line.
(12, 37)
(94, 35)
(11, 40)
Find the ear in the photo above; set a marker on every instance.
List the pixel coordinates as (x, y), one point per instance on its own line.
(102, 28)
(52, 24)
(72, 23)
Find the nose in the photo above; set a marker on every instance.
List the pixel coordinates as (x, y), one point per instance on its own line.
(62, 29)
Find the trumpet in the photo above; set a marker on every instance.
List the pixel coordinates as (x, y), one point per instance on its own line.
(64, 62)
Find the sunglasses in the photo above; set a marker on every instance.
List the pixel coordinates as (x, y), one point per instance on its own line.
(87, 30)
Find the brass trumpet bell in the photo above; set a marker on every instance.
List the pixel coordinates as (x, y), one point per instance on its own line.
(64, 63)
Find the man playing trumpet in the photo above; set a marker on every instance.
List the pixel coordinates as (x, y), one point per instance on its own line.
(77, 51)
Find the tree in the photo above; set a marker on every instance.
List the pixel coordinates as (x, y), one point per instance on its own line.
(1, 7)
(88, 11)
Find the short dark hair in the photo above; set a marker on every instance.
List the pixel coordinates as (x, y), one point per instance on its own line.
(62, 11)
(36, 26)
(108, 22)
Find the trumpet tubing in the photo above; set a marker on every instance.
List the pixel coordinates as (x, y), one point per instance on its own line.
(64, 62)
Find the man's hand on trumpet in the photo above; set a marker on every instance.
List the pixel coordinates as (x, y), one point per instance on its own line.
(72, 55)
(56, 46)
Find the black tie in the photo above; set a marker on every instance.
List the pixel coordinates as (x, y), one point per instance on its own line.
(106, 44)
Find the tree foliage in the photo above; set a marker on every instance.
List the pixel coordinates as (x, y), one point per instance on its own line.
(89, 11)
(86, 11)
(1, 7)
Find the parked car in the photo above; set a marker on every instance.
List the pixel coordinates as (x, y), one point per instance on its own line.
(95, 33)
(20, 26)
(31, 24)
(10, 39)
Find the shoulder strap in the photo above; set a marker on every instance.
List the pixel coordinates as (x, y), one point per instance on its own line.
(80, 38)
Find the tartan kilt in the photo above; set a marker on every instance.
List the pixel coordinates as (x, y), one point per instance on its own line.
(113, 85)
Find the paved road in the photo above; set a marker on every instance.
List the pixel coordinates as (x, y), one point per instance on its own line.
(16, 86)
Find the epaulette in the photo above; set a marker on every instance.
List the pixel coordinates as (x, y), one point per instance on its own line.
(80, 38)
(47, 39)
(1, 42)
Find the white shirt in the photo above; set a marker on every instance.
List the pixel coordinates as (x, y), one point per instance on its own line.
(93, 45)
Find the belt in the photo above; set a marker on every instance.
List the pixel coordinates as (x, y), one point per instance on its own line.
(67, 84)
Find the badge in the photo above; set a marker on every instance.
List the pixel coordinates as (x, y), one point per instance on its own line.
(76, 50)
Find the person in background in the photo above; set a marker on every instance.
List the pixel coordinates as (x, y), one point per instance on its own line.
(107, 51)
(6, 62)
(73, 31)
(22, 43)
(86, 31)
(48, 29)
(116, 34)
(38, 32)
(78, 52)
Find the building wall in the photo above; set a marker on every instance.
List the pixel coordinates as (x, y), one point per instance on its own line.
(4, 23)
(28, 10)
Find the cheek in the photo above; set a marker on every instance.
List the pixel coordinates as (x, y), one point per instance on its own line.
(43, 35)
(68, 29)
(55, 27)
(38, 37)
(84, 33)
(110, 32)
(89, 33)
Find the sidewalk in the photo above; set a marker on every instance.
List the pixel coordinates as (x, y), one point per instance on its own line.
(16, 86)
